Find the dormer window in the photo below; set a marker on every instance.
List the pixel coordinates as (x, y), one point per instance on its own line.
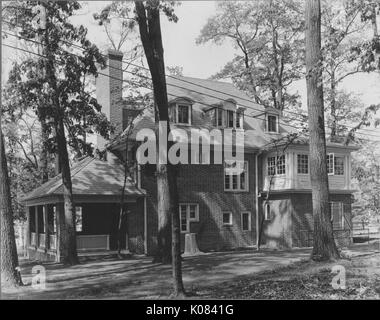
(272, 123)
(181, 112)
(184, 114)
(229, 118)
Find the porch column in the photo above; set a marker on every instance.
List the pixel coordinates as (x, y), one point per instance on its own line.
(36, 226)
(45, 211)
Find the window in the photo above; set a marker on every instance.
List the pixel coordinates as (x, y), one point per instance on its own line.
(274, 168)
(267, 212)
(330, 163)
(246, 221)
(183, 114)
(302, 164)
(272, 123)
(227, 218)
(335, 164)
(230, 119)
(189, 212)
(239, 119)
(236, 176)
(337, 215)
(78, 219)
(219, 117)
(338, 166)
(55, 219)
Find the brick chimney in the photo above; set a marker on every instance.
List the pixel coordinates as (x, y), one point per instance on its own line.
(109, 87)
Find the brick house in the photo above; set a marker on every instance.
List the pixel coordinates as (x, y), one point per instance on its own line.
(268, 201)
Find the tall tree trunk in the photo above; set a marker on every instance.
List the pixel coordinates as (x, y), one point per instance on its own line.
(150, 33)
(68, 247)
(44, 151)
(333, 133)
(122, 213)
(10, 276)
(324, 247)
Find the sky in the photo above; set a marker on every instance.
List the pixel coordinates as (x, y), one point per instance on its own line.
(199, 61)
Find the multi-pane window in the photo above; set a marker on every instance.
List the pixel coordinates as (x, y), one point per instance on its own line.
(227, 218)
(302, 164)
(78, 219)
(184, 114)
(236, 175)
(219, 117)
(338, 166)
(330, 163)
(239, 119)
(246, 221)
(188, 212)
(230, 119)
(335, 164)
(276, 167)
(272, 123)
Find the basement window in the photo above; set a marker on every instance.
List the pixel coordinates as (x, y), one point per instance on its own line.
(227, 218)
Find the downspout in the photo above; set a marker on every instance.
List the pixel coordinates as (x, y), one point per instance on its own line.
(257, 201)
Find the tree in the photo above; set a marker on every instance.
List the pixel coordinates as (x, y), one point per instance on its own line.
(58, 95)
(324, 247)
(10, 276)
(268, 38)
(148, 17)
(342, 29)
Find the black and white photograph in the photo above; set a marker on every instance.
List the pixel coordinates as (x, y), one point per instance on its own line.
(190, 154)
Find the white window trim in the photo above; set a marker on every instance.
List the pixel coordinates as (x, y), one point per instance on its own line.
(308, 164)
(333, 164)
(275, 167)
(189, 111)
(246, 188)
(267, 124)
(188, 219)
(224, 114)
(249, 220)
(230, 223)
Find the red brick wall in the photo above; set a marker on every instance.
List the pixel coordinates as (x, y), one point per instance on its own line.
(204, 185)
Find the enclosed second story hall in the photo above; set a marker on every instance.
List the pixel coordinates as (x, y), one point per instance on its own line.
(287, 168)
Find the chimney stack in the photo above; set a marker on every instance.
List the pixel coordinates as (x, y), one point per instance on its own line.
(109, 88)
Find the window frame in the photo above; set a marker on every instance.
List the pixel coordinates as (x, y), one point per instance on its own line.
(238, 179)
(230, 222)
(189, 113)
(307, 163)
(275, 166)
(331, 164)
(276, 123)
(188, 219)
(249, 221)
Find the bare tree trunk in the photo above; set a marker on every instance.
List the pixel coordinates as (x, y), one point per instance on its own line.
(150, 33)
(68, 245)
(122, 214)
(324, 245)
(10, 276)
(44, 152)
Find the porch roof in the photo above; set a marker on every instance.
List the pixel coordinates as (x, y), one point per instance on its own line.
(90, 177)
